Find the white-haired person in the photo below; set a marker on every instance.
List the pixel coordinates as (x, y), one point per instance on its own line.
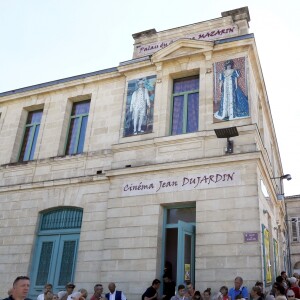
(291, 295)
(294, 286)
(80, 295)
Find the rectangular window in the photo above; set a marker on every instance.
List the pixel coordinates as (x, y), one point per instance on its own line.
(77, 129)
(30, 136)
(295, 229)
(185, 105)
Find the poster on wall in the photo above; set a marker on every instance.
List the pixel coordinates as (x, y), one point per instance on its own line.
(230, 90)
(267, 255)
(139, 106)
(187, 272)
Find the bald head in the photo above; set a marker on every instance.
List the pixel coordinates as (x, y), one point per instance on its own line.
(112, 287)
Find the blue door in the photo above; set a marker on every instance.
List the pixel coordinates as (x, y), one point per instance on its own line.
(186, 252)
(56, 248)
(54, 262)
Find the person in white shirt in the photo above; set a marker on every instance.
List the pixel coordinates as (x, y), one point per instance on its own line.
(47, 288)
(180, 294)
(113, 293)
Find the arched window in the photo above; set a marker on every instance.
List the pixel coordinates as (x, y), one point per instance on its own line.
(297, 267)
(56, 248)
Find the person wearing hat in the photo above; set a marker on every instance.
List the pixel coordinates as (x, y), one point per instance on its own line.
(294, 286)
(70, 286)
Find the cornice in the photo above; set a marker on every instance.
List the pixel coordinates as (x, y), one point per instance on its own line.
(181, 48)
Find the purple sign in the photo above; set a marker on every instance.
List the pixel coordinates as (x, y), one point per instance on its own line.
(250, 236)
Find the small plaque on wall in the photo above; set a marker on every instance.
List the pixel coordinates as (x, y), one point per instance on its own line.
(250, 237)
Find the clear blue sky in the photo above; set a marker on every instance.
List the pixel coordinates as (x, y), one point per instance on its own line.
(44, 40)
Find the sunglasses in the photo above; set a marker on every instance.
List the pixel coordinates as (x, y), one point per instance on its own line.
(290, 296)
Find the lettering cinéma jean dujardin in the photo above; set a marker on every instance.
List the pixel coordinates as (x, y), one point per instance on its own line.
(181, 183)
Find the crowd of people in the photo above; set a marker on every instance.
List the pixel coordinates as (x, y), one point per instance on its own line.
(284, 288)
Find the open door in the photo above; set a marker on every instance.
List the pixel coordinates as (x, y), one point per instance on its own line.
(179, 244)
(186, 253)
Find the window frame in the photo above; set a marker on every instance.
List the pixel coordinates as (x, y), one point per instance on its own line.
(80, 117)
(185, 106)
(296, 221)
(31, 140)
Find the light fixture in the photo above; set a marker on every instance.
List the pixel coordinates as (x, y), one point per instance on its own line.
(227, 133)
(288, 177)
(265, 211)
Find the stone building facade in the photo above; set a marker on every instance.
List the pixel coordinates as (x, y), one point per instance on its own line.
(293, 221)
(116, 174)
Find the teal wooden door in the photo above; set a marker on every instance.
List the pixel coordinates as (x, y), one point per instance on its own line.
(66, 260)
(186, 252)
(56, 248)
(54, 262)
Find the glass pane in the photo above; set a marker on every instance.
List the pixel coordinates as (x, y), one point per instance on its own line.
(186, 84)
(177, 118)
(44, 264)
(37, 129)
(62, 219)
(34, 117)
(67, 262)
(187, 257)
(294, 229)
(82, 134)
(171, 251)
(71, 144)
(26, 146)
(187, 214)
(193, 110)
(80, 108)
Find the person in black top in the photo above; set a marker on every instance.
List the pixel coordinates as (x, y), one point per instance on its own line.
(169, 287)
(20, 289)
(152, 291)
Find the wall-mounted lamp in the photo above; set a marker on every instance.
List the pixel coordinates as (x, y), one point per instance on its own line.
(227, 133)
(288, 177)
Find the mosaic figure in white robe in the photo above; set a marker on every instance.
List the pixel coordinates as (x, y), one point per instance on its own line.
(138, 107)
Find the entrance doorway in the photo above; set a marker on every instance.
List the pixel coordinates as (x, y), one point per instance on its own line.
(54, 259)
(179, 244)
